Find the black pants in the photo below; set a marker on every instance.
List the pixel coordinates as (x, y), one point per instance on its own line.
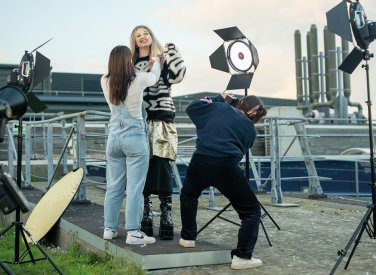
(225, 175)
(159, 177)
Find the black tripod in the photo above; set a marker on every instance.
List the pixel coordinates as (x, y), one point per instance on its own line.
(368, 221)
(20, 229)
(218, 215)
(266, 213)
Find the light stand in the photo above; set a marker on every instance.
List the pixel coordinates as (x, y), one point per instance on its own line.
(237, 56)
(20, 229)
(368, 221)
(266, 213)
(339, 22)
(17, 98)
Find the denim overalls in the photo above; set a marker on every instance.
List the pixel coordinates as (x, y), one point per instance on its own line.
(127, 156)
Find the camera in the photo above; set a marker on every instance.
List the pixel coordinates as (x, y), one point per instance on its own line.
(232, 100)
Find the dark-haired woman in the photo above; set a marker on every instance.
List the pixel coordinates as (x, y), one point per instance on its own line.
(127, 150)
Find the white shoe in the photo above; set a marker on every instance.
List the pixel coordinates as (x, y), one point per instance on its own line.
(241, 263)
(187, 243)
(109, 233)
(139, 237)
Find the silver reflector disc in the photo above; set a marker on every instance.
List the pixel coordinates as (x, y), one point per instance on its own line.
(240, 56)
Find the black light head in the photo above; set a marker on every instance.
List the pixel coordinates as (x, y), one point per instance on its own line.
(237, 56)
(338, 21)
(342, 22)
(218, 60)
(230, 33)
(16, 100)
(24, 72)
(240, 81)
(352, 61)
(364, 30)
(30, 74)
(42, 68)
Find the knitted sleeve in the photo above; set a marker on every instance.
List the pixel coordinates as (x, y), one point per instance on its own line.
(175, 64)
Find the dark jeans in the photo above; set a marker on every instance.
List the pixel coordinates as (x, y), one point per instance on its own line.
(225, 175)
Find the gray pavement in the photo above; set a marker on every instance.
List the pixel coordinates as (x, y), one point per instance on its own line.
(310, 235)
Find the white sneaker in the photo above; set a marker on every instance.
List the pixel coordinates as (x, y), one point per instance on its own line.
(139, 237)
(241, 263)
(187, 243)
(109, 233)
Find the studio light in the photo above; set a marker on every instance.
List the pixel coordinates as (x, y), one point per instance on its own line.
(13, 104)
(350, 22)
(236, 56)
(16, 101)
(339, 21)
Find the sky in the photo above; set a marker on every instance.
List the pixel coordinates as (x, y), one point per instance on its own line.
(84, 32)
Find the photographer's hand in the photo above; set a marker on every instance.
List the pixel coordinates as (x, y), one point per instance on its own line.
(225, 93)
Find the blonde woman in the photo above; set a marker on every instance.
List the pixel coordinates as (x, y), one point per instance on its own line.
(161, 130)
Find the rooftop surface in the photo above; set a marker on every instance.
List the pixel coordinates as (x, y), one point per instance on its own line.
(311, 234)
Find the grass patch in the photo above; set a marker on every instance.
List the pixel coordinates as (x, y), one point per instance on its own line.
(73, 261)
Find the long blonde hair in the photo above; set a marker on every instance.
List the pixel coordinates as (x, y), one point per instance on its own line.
(156, 49)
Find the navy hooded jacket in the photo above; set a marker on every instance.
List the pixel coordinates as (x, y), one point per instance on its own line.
(222, 130)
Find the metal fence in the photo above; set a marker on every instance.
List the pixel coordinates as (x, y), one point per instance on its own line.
(63, 142)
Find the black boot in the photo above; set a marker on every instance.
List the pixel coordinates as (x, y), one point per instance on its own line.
(147, 219)
(166, 227)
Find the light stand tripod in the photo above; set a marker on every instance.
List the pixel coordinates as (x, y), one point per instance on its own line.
(266, 213)
(20, 229)
(368, 221)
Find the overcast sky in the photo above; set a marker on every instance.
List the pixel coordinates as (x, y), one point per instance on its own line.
(84, 32)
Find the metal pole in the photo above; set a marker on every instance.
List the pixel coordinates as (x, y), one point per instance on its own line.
(247, 153)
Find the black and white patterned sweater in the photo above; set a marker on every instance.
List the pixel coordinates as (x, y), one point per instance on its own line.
(157, 99)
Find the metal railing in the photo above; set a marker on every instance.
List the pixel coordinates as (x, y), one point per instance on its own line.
(61, 142)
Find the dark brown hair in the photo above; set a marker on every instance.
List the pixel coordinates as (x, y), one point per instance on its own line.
(121, 73)
(253, 107)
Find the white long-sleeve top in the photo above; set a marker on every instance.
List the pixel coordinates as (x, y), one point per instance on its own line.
(134, 99)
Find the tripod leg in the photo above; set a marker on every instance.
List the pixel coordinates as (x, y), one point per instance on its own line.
(42, 250)
(358, 231)
(266, 213)
(357, 240)
(28, 250)
(6, 269)
(212, 219)
(266, 233)
(6, 229)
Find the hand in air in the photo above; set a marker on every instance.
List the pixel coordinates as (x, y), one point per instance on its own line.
(225, 93)
(152, 60)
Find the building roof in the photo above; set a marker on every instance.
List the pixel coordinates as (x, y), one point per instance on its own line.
(268, 101)
(75, 92)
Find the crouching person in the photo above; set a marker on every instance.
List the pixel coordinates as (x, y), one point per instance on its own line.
(224, 134)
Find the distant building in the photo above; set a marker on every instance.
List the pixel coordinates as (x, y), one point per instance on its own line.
(181, 102)
(77, 92)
